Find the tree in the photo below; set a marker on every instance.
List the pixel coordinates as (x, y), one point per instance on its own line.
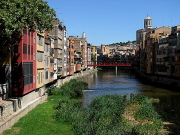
(93, 57)
(17, 15)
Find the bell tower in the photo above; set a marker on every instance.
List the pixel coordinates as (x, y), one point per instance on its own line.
(147, 23)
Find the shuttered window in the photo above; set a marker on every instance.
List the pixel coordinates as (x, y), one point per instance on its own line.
(46, 75)
(29, 49)
(40, 56)
(24, 48)
(28, 73)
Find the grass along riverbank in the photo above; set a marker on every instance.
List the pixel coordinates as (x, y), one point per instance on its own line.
(41, 120)
(63, 114)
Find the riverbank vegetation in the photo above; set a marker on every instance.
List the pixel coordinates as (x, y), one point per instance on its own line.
(111, 115)
(99, 69)
(63, 114)
(41, 120)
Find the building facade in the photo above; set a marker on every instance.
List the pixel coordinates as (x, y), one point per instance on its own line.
(40, 60)
(57, 34)
(23, 64)
(151, 37)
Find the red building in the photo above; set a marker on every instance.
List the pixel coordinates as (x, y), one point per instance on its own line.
(24, 65)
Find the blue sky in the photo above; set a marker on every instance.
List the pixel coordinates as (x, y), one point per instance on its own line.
(112, 21)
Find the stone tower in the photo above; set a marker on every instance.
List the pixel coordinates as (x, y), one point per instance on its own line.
(147, 23)
(83, 35)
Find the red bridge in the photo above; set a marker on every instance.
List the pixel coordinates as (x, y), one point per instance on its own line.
(109, 63)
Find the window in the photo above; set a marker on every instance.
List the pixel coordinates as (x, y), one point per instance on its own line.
(51, 51)
(46, 61)
(29, 49)
(24, 49)
(59, 70)
(28, 73)
(39, 78)
(52, 74)
(40, 56)
(58, 62)
(46, 47)
(40, 40)
(51, 60)
(46, 75)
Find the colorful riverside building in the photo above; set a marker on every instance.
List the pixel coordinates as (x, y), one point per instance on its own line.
(57, 34)
(65, 52)
(84, 51)
(77, 53)
(53, 75)
(45, 60)
(40, 60)
(24, 65)
(70, 49)
(159, 52)
(48, 67)
(162, 66)
(150, 38)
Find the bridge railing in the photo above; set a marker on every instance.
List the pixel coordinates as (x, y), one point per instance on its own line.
(109, 63)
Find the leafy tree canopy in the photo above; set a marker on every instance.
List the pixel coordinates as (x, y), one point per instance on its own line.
(16, 15)
(93, 57)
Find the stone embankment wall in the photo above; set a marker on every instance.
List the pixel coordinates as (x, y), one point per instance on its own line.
(13, 109)
(162, 80)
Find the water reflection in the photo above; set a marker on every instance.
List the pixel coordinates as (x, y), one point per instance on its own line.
(124, 82)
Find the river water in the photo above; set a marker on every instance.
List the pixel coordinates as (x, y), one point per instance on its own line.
(124, 82)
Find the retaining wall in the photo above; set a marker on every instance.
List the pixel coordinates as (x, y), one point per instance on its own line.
(171, 82)
(13, 109)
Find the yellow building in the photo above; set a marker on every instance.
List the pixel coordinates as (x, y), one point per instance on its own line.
(150, 39)
(40, 60)
(105, 49)
(94, 51)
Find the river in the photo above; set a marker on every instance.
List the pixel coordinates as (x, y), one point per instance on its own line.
(124, 82)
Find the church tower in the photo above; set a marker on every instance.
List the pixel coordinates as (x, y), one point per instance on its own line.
(147, 23)
(83, 35)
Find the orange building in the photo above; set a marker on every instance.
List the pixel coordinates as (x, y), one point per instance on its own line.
(71, 56)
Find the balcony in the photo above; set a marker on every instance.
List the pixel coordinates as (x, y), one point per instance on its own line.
(77, 56)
